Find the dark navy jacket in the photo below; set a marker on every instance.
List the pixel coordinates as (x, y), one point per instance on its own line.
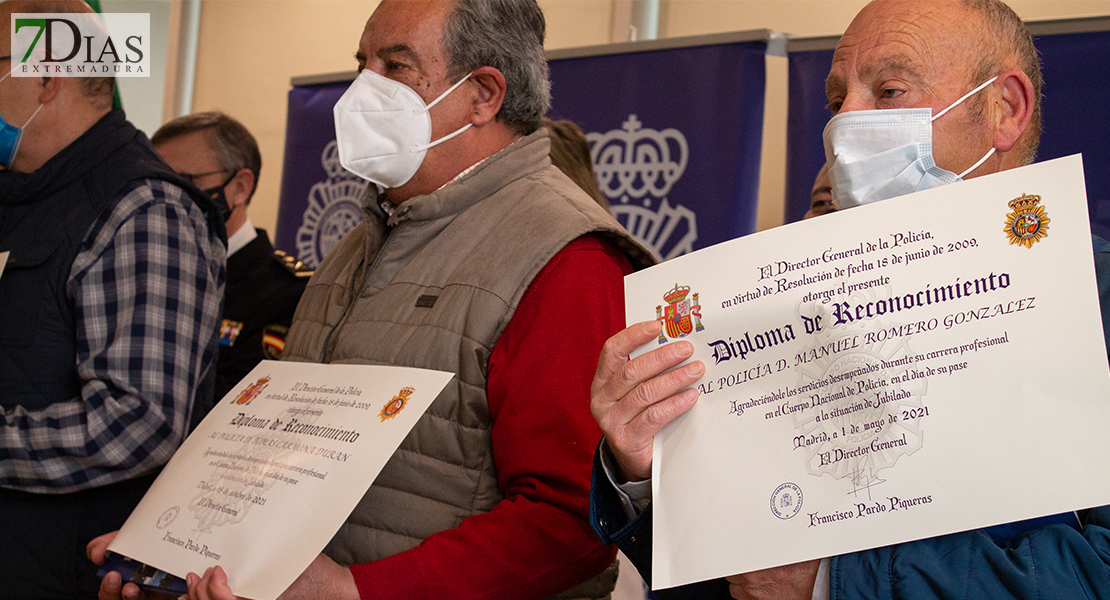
(44, 218)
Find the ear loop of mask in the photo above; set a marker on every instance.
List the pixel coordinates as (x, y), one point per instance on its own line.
(23, 126)
(423, 147)
(957, 103)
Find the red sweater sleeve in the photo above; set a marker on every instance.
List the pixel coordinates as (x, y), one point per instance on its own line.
(537, 541)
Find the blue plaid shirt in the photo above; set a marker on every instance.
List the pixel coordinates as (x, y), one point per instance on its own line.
(146, 287)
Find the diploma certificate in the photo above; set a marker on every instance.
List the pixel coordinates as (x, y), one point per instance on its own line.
(925, 365)
(268, 477)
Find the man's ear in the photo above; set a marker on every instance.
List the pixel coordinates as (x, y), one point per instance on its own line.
(1016, 108)
(490, 84)
(238, 190)
(50, 88)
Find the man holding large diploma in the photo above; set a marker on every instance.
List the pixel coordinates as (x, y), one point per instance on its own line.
(973, 63)
(477, 257)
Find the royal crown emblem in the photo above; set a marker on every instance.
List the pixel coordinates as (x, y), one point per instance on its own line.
(636, 168)
(681, 316)
(252, 391)
(334, 208)
(1028, 223)
(396, 405)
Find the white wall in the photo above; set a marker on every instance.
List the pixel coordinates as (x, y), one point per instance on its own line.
(142, 97)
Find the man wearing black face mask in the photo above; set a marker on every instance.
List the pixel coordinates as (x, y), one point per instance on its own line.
(221, 157)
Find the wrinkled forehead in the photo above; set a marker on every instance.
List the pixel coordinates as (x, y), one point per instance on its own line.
(414, 24)
(924, 37)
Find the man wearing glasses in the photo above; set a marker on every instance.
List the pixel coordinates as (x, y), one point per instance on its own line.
(109, 306)
(217, 154)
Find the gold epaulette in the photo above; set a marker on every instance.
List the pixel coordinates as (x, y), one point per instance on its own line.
(295, 266)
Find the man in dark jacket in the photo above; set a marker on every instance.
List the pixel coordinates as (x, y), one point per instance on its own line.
(217, 154)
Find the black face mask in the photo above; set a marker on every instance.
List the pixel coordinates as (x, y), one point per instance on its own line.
(217, 196)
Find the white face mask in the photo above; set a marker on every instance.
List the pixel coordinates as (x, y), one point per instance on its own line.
(383, 129)
(874, 155)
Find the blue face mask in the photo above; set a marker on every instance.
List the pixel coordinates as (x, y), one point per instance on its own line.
(10, 135)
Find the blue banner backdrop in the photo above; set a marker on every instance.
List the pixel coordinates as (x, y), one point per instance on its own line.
(1076, 105)
(320, 200)
(1076, 73)
(807, 113)
(675, 135)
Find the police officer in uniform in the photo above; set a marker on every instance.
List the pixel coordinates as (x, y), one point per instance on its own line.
(221, 157)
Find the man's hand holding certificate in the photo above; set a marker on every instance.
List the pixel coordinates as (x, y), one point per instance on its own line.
(867, 385)
(269, 476)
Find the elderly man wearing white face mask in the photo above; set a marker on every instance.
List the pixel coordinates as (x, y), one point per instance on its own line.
(924, 94)
(476, 256)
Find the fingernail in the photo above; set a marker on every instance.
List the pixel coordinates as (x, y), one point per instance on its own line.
(685, 349)
(650, 326)
(695, 369)
(191, 579)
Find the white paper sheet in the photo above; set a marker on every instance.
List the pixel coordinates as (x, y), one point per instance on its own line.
(897, 371)
(267, 478)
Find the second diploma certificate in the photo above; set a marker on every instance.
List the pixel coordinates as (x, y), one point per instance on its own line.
(925, 365)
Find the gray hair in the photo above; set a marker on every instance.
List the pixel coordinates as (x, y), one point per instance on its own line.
(508, 36)
(233, 144)
(1005, 38)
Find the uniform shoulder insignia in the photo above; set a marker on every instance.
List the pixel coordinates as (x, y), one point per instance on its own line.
(296, 267)
(273, 341)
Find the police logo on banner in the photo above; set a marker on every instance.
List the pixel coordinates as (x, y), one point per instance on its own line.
(334, 208)
(636, 168)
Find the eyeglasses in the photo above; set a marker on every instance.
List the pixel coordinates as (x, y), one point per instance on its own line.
(193, 177)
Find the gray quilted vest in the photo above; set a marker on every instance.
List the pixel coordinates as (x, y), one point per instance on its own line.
(433, 286)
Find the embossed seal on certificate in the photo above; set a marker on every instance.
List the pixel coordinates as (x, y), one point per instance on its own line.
(1028, 223)
(786, 501)
(395, 405)
(168, 517)
(681, 316)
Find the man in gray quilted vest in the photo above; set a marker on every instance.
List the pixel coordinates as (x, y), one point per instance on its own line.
(475, 256)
